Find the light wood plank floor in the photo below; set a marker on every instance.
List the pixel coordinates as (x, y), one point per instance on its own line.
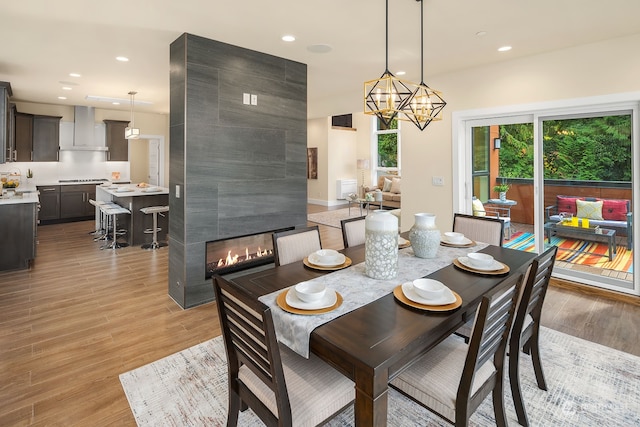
(81, 316)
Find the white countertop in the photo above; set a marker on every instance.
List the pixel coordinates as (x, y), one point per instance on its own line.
(31, 197)
(132, 190)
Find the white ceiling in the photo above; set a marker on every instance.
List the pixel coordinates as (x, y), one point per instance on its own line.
(43, 41)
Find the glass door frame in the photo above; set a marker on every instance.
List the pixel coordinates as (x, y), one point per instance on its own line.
(464, 121)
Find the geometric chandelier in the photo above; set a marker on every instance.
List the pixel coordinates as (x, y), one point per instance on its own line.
(384, 97)
(424, 104)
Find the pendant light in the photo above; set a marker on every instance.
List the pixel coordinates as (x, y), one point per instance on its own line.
(424, 104)
(384, 96)
(131, 132)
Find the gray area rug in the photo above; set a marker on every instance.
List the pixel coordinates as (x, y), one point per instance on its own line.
(333, 218)
(589, 385)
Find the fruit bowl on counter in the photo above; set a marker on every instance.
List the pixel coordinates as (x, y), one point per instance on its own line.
(10, 183)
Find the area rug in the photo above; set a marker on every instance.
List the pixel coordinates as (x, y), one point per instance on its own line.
(333, 218)
(589, 385)
(575, 251)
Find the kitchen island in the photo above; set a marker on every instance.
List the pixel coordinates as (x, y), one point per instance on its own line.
(18, 230)
(134, 198)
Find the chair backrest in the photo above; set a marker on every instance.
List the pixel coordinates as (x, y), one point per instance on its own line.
(353, 231)
(480, 228)
(491, 330)
(533, 293)
(250, 340)
(293, 245)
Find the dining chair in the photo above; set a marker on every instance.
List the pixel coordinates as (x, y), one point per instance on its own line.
(293, 245)
(526, 327)
(479, 228)
(453, 378)
(281, 387)
(503, 214)
(353, 231)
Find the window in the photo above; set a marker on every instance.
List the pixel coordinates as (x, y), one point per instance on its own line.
(386, 147)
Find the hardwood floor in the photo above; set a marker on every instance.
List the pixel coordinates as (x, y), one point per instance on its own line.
(81, 316)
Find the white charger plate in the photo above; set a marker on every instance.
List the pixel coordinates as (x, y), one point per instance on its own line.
(497, 265)
(330, 298)
(313, 259)
(446, 298)
(465, 241)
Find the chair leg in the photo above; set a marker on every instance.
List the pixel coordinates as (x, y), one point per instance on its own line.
(234, 408)
(537, 363)
(498, 403)
(516, 391)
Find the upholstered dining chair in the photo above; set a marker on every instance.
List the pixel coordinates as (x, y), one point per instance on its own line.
(526, 327)
(503, 214)
(352, 231)
(453, 378)
(480, 228)
(280, 386)
(293, 245)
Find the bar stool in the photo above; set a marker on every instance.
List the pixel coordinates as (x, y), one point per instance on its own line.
(112, 212)
(100, 231)
(154, 210)
(104, 220)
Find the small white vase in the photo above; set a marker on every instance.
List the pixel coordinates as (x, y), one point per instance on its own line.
(381, 245)
(503, 196)
(424, 236)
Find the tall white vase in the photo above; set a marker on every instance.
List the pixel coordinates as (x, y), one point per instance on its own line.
(425, 236)
(381, 245)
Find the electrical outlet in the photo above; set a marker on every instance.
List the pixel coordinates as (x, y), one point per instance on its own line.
(437, 180)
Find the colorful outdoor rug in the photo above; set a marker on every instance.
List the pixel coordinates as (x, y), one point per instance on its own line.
(579, 252)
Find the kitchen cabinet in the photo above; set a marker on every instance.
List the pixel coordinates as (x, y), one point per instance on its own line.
(49, 202)
(18, 231)
(117, 144)
(23, 137)
(46, 138)
(74, 200)
(5, 119)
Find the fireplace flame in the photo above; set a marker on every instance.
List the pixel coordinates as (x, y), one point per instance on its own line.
(235, 259)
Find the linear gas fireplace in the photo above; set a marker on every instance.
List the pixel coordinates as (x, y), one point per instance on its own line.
(226, 256)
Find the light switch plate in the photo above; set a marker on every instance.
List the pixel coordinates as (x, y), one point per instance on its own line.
(254, 99)
(246, 98)
(177, 191)
(437, 180)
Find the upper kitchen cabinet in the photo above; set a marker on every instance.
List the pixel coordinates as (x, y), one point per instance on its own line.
(117, 144)
(5, 120)
(46, 138)
(23, 137)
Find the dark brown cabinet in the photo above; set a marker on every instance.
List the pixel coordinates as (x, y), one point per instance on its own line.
(46, 138)
(117, 144)
(18, 230)
(5, 122)
(74, 200)
(49, 202)
(23, 137)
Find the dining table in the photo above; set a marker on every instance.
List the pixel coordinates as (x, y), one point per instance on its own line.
(375, 342)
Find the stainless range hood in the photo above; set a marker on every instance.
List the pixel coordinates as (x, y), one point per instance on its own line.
(84, 134)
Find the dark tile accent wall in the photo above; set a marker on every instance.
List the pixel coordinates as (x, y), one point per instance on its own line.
(241, 168)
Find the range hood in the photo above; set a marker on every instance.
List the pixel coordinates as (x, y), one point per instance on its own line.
(84, 134)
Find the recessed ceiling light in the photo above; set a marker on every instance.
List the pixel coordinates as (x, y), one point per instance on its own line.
(122, 59)
(115, 103)
(288, 38)
(65, 83)
(74, 75)
(401, 73)
(66, 88)
(504, 48)
(319, 48)
(481, 33)
(62, 97)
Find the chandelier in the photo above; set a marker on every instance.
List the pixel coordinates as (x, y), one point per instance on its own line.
(424, 104)
(383, 97)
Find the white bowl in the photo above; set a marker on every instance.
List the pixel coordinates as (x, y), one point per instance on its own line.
(327, 255)
(310, 291)
(480, 260)
(454, 237)
(428, 288)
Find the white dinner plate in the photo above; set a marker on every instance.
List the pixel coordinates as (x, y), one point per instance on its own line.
(123, 190)
(463, 242)
(447, 296)
(329, 299)
(494, 267)
(313, 259)
(151, 190)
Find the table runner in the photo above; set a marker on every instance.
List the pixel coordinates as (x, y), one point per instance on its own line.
(357, 289)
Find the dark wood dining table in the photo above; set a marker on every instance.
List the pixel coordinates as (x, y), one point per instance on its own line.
(375, 342)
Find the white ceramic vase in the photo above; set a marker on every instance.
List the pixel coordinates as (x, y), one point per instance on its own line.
(381, 245)
(425, 236)
(503, 196)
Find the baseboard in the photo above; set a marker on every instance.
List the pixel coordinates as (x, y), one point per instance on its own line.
(595, 291)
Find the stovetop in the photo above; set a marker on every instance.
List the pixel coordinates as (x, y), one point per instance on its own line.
(83, 180)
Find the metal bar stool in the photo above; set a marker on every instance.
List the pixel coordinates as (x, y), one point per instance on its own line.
(154, 210)
(112, 212)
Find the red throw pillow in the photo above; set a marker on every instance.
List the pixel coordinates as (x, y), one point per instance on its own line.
(567, 204)
(614, 210)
